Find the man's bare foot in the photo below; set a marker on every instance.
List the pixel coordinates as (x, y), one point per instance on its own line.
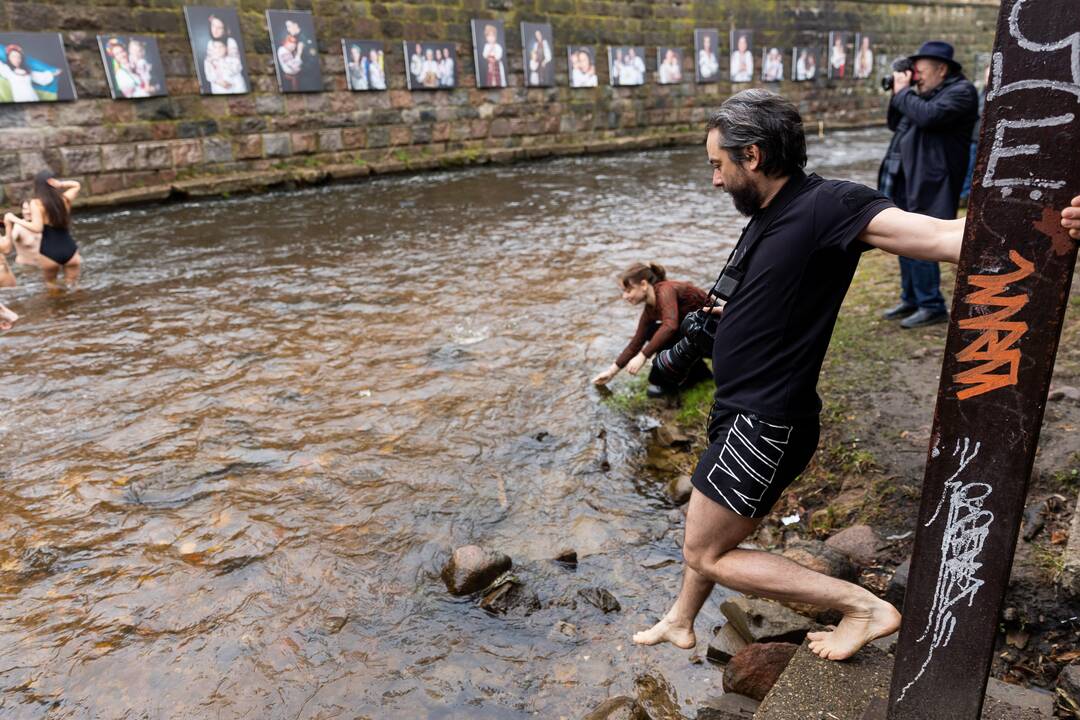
(667, 631)
(7, 317)
(859, 627)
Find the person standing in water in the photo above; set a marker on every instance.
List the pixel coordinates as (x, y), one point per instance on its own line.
(50, 215)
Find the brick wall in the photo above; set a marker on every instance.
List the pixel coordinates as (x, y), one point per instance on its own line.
(192, 144)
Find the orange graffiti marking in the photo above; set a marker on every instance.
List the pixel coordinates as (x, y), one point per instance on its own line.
(994, 348)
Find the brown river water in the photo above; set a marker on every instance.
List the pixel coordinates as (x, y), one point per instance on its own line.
(233, 463)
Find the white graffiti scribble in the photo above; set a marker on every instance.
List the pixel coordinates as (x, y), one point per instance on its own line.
(967, 526)
(1071, 41)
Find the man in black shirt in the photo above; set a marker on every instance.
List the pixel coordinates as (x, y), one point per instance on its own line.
(794, 262)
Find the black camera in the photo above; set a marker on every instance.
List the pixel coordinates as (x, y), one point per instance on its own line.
(698, 330)
(899, 65)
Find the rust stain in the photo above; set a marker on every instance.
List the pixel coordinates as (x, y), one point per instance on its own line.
(1050, 226)
(995, 347)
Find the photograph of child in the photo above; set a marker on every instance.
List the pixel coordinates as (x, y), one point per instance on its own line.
(489, 53)
(296, 54)
(537, 43)
(133, 66)
(706, 53)
(365, 64)
(838, 54)
(582, 63)
(432, 65)
(218, 48)
(804, 60)
(864, 57)
(669, 65)
(626, 65)
(742, 56)
(34, 68)
(772, 65)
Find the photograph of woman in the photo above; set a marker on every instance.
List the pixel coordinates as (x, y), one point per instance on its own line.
(365, 64)
(805, 62)
(742, 56)
(838, 42)
(34, 68)
(582, 63)
(669, 65)
(489, 51)
(537, 42)
(772, 65)
(133, 66)
(864, 57)
(50, 216)
(706, 44)
(626, 65)
(218, 48)
(296, 54)
(432, 65)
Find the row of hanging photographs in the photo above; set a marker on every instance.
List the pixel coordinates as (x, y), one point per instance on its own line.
(33, 66)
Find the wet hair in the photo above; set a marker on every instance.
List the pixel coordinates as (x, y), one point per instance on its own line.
(768, 120)
(653, 272)
(56, 208)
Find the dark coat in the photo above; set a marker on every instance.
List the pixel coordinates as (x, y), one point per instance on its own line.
(931, 144)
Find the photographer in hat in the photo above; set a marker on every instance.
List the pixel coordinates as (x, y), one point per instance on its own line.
(932, 112)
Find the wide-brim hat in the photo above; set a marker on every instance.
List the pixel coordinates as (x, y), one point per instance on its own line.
(937, 50)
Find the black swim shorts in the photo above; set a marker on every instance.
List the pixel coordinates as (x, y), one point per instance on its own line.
(750, 461)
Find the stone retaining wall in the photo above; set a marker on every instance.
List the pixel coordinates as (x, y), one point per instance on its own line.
(187, 143)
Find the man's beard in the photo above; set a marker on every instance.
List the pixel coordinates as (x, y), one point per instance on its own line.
(746, 197)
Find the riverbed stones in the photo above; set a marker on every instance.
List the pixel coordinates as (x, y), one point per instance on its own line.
(600, 598)
(657, 698)
(756, 668)
(819, 557)
(725, 643)
(620, 707)
(472, 568)
(511, 598)
(859, 542)
(679, 489)
(763, 621)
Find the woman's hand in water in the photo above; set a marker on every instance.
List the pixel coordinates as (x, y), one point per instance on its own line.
(605, 377)
(636, 364)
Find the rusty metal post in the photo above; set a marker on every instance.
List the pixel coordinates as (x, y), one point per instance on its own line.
(1012, 288)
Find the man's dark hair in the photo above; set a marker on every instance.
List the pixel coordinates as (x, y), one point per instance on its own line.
(762, 118)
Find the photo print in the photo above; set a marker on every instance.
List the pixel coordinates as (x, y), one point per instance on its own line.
(626, 65)
(34, 68)
(218, 48)
(864, 57)
(582, 64)
(133, 66)
(742, 56)
(772, 65)
(431, 65)
(839, 50)
(669, 65)
(707, 55)
(489, 53)
(365, 64)
(296, 54)
(804, 64)
(538, 46)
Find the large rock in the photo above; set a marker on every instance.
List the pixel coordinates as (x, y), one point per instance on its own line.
(765, 621)
(729, 706)
(726, 642)
(897, 588)
(472, 568)
(819, 557)
(756, 668)
(858, 542)
(619, 707)
(1068, 682)
(657, 698)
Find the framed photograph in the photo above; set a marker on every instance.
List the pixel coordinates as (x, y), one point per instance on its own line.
(489, 53)
(742, 56)
(537, 45)
(707, 55)
(34, 68)
(669, 65)
(839, 51)
(864, 57)
(365, 64)
(133, 66)
(432, 65)
(218, 48)
(626, 65)
(772, 65)
(804, 63)
(582, 64)
(296, 54)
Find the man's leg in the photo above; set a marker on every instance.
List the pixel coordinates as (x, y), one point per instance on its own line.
(926, 281)
(709, 551)
(677, 626)
(907, 287)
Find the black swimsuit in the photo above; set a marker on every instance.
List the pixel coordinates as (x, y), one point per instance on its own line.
(58, 245)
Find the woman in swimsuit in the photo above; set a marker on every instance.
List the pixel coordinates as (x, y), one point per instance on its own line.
(50, 215)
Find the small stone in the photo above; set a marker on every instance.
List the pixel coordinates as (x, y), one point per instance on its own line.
(1064, 392)
(756, 668)
(620, 707)
(511, 597)
(725, 644)
(897, 588)
(657, 698)
(567, 556)
(472, 568)
(763, 621)
(601, 598)
(679, 489)
(670, 436)
(920, 353)
(729, 706)
(819, 557)
(858, 542)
